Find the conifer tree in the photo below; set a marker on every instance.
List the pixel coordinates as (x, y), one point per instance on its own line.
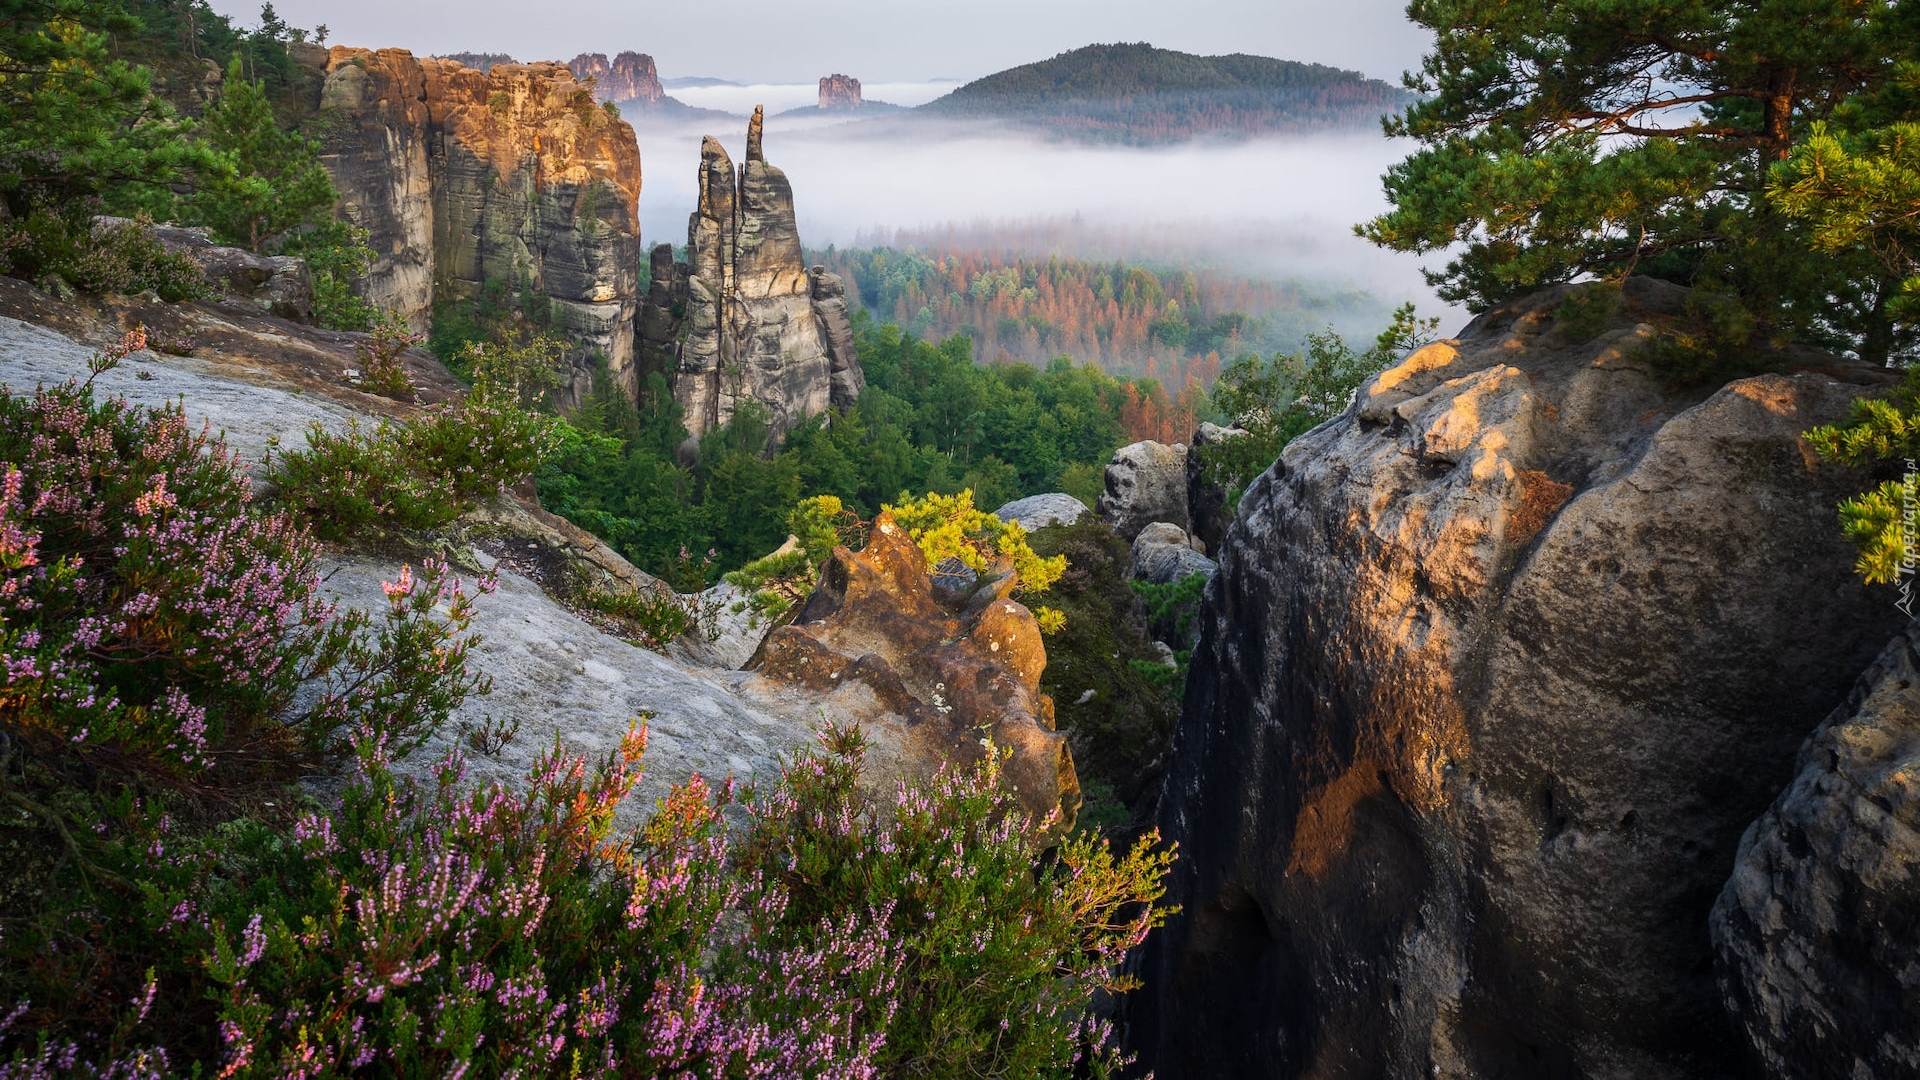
(270, 181)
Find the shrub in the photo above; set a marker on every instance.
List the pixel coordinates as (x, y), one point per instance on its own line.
(655, 616)
(413, 475)
(383, 370)
(337, 255)
(1002, 949)
(782, 581)
(120, 258)
(948, 527)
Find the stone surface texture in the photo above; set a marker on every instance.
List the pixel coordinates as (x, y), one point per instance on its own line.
(1497, 668)
(744, 319)
(1164, 553)
(1818, 930)
(512, 174)
(630, 78)
(839, 92)
(1146, 482)
(1042, 511)
(1207, 511)
(933, 679)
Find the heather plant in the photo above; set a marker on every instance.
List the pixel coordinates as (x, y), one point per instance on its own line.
(1003, 944)
(383, 370)
(52, 240)
(654, 617)
(413, 475)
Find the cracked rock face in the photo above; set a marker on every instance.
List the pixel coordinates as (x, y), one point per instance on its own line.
(931, 682)
(1818, 930)
(511, 174)
(1496, 669)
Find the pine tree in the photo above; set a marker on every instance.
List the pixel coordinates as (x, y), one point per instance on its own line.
(269, 182)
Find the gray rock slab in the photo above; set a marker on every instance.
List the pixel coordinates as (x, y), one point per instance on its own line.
(1041, 511)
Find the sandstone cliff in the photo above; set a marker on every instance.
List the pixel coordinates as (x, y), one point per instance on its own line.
(744, 319)
(839, 92)
(630, 78)
(1496, 669)
(512, 174)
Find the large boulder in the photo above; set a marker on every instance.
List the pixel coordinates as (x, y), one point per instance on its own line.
(1498, 666)
(1818, 931)
(934, 679)
(273, 284)
(1146, 482)
(1164, 553)
(1042, 511)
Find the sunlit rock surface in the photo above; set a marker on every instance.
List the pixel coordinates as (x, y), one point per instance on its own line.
(513, 174)
(1497, 668)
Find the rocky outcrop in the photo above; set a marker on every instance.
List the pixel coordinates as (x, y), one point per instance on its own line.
(933, 680)
(630, 78)
(1818, 931)
(1163, 553)
(513, 174)
(1146, 482)
(1042, 511)
(1498, 666)
(744, 319)
(277, 284)
(1207, 510)
(839, 92)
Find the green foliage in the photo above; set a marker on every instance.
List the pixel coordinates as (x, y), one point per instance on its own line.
(382, 370)
(525, 367)
(653, 618)
(1877, 521)
(1002, 950)
(337, 255)
(1172, 606)
(413, 475)
(780, 582)
(269, 182)
(1611, 138)
(1279, 399)
(949, 527)
(124, 258)
(1119, 732)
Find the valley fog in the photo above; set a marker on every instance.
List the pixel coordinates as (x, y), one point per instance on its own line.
(1280, 208)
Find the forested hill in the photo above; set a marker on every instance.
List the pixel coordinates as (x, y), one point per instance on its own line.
(1137, 93)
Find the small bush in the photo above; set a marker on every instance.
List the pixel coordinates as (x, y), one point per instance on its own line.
(120, 259)
(948, 526)
(414, 475)
(383, 370)
(337, 255)
(655, 616)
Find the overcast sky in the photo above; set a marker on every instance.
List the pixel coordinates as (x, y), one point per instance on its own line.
(872, 40)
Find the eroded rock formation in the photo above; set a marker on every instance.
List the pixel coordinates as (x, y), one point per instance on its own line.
(1497, 668)
(744, 319)
(932, 679)
(630, 78)
(839, 92)
(1818, 931)
(513, 174)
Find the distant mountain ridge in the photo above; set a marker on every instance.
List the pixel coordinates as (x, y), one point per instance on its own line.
(1137, 93)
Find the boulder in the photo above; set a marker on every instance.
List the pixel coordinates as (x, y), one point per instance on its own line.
(1146, 482)
(1207, 512)
(276, 284)
(1818, 929)
(1497, 667)
(933, 680)
(1041, 511)
(1164, 553)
